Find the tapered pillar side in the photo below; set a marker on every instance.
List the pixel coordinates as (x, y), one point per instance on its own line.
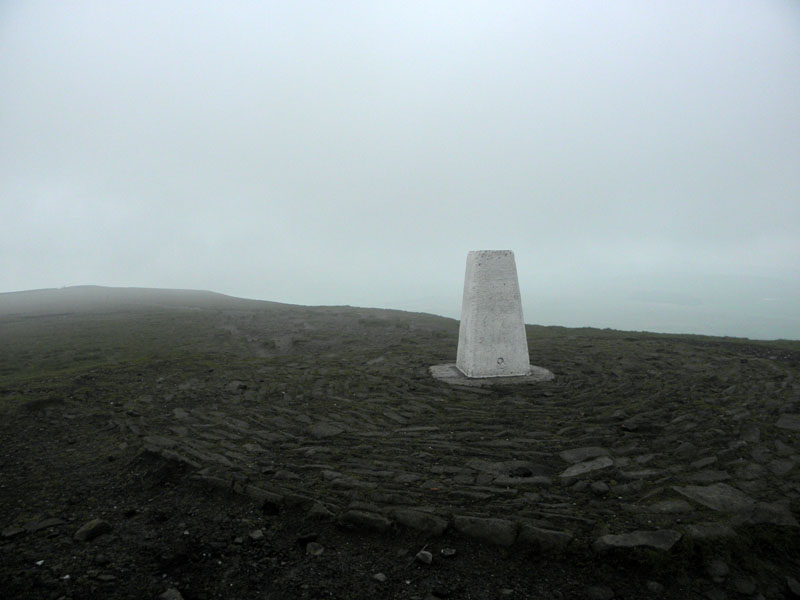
(491, 339)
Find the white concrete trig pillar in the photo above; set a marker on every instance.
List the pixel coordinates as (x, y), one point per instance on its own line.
(491, 338)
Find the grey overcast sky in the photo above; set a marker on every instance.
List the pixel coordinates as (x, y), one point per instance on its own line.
(642, 159)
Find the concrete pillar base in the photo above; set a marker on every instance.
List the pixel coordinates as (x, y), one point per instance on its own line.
(452, 375)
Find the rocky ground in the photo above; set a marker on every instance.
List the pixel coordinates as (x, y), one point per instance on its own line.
(291, 452)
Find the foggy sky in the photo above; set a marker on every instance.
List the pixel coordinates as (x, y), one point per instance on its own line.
(642, 159)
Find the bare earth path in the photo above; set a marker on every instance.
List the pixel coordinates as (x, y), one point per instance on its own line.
(652, 466)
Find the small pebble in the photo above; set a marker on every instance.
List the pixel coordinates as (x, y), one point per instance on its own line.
(716, 594)
(424, 556)
(379, 577)
(305, 538)
(745, 586)
(447, 552)
(599, 592)
(92, 529)
(717, 570)
(12, 532)
(314, 549)
(793, 585)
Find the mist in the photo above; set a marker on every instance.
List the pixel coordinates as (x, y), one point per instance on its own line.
(641, 159)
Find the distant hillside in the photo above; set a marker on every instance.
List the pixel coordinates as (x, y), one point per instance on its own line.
(91, 298)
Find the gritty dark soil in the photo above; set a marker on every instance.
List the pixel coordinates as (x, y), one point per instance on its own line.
(100, 411)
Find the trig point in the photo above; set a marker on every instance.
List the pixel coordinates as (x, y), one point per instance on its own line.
(491, 338)
(492, 343)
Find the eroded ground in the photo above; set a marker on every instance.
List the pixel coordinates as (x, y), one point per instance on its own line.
(222, 446)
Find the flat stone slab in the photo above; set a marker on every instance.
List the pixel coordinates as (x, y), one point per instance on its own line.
(450, 375)
(499, 532)
(324, 430)
(666, 507)
(92, 529)
(360, 519)
(662, 539)
(709, 476)
(773, 513)
(709, 531)
(583, 468)
(546, 539)
(789, 421)
(718, 496)
(420, 521)
(576, 455)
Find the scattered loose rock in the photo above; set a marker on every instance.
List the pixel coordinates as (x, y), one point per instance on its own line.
(599, 592)
(12, 532)
(794, 586)
(315, 430)
(314, 549)
(547, 539)
(654, 586)
(319, 511)
(92, 529)
(716, 594)
(717, 570)
(494, 531)
(359, 519)
(745, 585)
(420, 521)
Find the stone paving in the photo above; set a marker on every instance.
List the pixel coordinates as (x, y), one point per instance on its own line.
(638, 441)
